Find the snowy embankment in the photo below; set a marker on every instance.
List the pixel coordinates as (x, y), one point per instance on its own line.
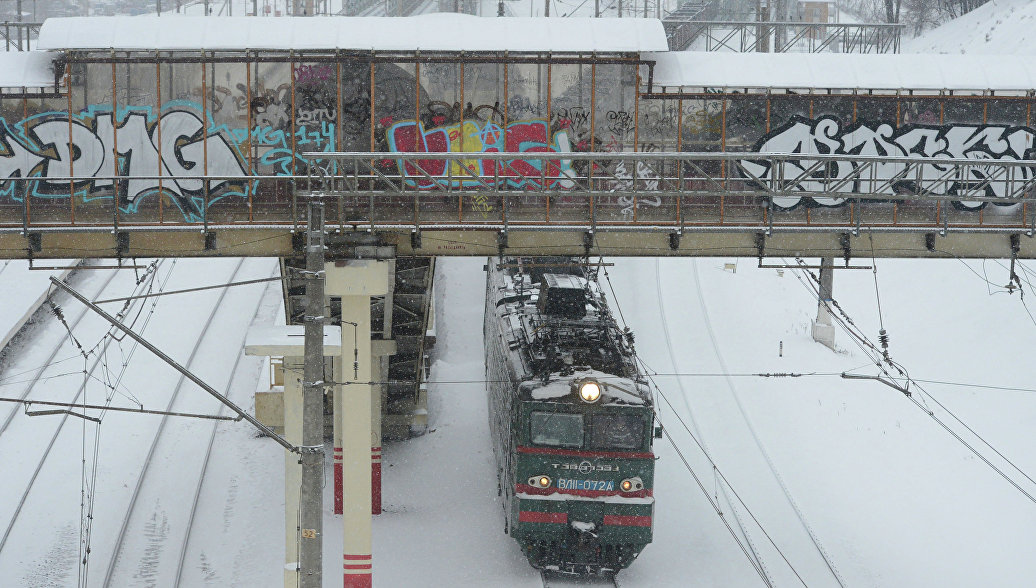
(999, 27)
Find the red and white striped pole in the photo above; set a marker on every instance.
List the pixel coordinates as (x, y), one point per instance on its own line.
(376, 362)
(336, 455)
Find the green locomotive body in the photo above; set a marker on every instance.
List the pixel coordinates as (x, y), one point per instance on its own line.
(571, 419)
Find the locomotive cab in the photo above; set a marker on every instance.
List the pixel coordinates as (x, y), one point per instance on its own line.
(585, 470)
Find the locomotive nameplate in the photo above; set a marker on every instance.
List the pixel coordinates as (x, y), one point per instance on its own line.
(585, 467)
(569, 484)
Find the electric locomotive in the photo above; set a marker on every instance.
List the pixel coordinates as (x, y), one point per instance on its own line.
(570, 416)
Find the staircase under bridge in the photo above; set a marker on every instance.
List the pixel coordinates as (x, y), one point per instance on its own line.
(402, 323)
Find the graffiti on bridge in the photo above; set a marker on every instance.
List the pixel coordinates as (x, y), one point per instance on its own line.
(476, 136)
(52, 145)
(828, 136)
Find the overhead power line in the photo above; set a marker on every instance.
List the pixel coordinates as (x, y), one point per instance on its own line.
(141, 410)
(186, 290)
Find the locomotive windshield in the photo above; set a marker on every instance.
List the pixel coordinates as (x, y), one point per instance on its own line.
(556, 429)
(617, 431)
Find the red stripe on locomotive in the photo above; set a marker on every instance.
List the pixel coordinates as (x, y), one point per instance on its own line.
(627, 520)
(531, 516)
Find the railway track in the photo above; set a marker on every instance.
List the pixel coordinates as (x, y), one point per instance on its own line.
(165, 500)
(733, 507)
(28, 390)
(150, 563)
(205, 466)
(555, 580)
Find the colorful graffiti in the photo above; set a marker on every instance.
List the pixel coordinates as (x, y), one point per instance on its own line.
(95, 144)
(476, 136)
(828, 135)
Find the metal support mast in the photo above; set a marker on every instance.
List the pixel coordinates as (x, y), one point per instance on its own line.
(312, 496)
(823, 328)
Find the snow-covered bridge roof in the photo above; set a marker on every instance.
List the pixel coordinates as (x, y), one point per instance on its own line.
(26, 69)
(433, 32)
(843, 71)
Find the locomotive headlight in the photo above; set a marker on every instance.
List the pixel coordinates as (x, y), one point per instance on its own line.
(539, 481)
(590, 391)
(631, 484)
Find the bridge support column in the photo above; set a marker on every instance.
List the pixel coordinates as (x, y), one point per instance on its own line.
(823, 327)
(355, 281)
(293, 369)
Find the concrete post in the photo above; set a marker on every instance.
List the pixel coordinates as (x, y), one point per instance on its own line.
(356, 281)
(293, 368)
(823, 327)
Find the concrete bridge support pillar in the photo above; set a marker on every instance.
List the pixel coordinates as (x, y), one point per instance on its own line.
(823, 327)
(355, 281)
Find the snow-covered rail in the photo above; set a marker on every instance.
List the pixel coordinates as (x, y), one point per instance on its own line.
(149, 565)
(30, 388)
(552, 580)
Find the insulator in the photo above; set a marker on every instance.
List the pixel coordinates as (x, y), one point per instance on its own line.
(883, 338)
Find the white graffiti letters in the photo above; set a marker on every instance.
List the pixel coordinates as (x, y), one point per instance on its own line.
(827, 136)
(53, 148)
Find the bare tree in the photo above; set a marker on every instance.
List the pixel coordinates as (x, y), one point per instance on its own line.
(892, 10)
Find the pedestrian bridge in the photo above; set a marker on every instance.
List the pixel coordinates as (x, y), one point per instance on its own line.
(145, 136)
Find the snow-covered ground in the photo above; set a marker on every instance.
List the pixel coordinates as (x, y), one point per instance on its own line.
(997, 27)
(877, 488)
(889, 496)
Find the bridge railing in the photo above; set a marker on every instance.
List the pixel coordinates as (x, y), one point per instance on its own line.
(677, 189)
(704, 191)
(783, 37)
(19, 36)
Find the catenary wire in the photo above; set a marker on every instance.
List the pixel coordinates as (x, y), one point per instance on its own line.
(865, 345)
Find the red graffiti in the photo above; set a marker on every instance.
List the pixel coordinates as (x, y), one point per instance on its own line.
(474, 136)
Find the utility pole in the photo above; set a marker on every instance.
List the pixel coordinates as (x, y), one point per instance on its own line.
(19, 8)
(311, 502)
(546, 8)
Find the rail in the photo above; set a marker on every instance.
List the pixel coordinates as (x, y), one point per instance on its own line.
(785, 37)
(684, 25)
(644, 191)
(19, 36)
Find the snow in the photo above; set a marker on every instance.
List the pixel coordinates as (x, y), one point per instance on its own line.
(410, 33)
(890, 496)
(999, 26)
(583, 527)
(26, 69)
(288, 340)
(850, 479)
(844, 71)
(613, 388)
